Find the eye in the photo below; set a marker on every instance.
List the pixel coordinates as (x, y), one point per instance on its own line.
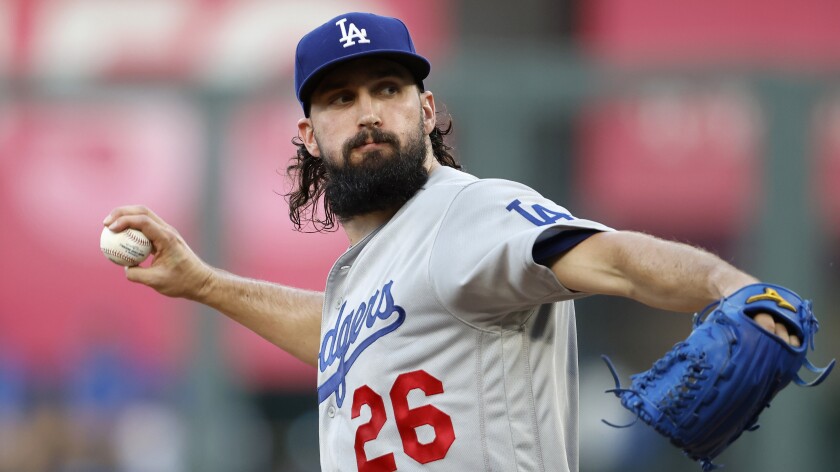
(341, 98)
(389, 89)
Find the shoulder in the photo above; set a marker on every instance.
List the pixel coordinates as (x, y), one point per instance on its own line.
(467, 199)
(447, 177)
(471, 189)
(507, 198)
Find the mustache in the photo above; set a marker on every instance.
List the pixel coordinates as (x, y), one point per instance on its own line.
(375, 135)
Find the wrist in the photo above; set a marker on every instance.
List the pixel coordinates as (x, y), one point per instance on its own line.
(732, 281)
(209, 282)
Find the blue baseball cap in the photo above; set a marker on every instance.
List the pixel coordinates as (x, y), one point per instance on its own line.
(352, 36)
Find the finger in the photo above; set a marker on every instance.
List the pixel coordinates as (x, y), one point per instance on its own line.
(782, 332)
(127, 210)
(779, 329)
(158, 233)
(765, 321)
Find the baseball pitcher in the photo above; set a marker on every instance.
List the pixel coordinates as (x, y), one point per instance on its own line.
(445, 337)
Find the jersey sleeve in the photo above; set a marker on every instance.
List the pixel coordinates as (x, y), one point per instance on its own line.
(482, 261)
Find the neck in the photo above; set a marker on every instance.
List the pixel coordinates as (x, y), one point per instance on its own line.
(360, 226)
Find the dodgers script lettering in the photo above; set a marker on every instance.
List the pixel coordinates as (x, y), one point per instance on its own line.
(345, 341)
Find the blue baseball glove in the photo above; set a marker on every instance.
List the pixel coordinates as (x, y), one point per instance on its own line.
(711, 387)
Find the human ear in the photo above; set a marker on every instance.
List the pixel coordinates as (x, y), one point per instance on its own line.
(427, 104)
(306, 133)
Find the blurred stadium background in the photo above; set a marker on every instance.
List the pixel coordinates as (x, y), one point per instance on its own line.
(709, 121)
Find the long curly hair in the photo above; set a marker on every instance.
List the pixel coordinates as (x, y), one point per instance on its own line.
(308, 175)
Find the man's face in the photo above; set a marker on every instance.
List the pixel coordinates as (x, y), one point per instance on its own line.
(370, 125)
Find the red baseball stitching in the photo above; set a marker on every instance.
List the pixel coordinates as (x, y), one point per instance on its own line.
(118, 255)
(137, 239)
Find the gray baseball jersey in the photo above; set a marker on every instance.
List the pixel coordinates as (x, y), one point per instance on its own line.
(444, 346)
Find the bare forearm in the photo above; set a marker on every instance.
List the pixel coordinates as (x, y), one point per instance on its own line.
(289, 318)
(658, 273)
(676, 276)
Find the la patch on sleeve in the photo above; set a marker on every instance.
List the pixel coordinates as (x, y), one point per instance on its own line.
(538, 214)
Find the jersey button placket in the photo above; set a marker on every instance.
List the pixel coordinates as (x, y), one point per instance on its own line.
(341, 271)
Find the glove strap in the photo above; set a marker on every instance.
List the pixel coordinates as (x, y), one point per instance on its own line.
(617, 391)
(823, 371)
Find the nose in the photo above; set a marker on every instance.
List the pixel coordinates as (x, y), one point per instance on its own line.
(368, 111)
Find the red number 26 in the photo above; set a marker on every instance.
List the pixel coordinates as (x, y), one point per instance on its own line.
(407, 420)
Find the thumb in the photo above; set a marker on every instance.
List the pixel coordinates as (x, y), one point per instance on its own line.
(138, 274)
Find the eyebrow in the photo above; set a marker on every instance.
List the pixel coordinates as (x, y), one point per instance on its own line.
(380, 73)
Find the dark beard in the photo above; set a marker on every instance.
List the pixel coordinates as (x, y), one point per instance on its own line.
(378, 182)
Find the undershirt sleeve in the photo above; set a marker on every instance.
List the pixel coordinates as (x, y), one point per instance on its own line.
(546, 250)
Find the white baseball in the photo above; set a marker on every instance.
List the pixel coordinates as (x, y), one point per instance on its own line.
(126, 248)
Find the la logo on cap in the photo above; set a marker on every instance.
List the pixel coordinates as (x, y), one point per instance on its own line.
(351, 33)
